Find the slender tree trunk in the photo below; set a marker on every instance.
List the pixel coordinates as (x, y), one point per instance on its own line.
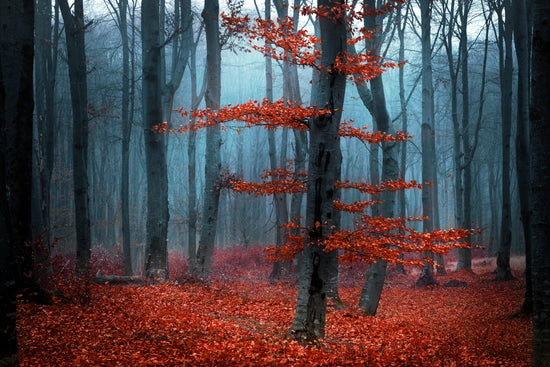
(324, 169)
(523, 166)
(16, 121)
(540, 191)
(503, 271)
(210, 15)
(156, 254)
(126, 127)
(74, 33)
(464, 261)
(428, 142)
(402, 203)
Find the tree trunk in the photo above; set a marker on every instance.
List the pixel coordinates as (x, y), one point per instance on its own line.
(523, 166)
(540, 191)
(16, 121)
(324, 169)
(210, 16)
(126, 127)
(464, 261)
(503, 271)
(45, 75)
(428, 133)
(156, 254)
(74, 33)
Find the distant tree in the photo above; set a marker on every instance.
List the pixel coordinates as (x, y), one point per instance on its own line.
(120, 11)
(76, 56)
(16, 121)
(540, 190)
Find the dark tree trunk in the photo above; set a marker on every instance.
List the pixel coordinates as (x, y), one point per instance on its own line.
(324, 169)
(16, 121)
(156, 254)
(523, 166)
(540, 176)
(74, 33)
(45, 75)
(503, 271)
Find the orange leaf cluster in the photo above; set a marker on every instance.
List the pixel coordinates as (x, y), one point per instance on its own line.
(278, 181)
(348, 131)
(271, 115)
(388, 238)
(391, 186)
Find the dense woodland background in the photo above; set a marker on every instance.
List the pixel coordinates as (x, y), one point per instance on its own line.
(247, 220)
(112, 174)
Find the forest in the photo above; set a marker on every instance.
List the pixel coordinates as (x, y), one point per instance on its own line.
(274, 182)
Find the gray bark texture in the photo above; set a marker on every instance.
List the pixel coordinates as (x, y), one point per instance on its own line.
(156, 254)
(540, 176)
(325, 160)
(76, 55)
(16, 121)
(428, 132)
(205, 252)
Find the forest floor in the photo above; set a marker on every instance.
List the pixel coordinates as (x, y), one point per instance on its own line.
(240, 318)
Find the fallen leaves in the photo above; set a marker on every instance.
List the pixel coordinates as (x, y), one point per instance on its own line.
(240, 318)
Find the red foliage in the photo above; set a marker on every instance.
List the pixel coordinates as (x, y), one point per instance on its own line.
(243, 322)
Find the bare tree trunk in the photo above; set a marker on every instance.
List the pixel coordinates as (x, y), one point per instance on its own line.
(523, 166)
(156, 254)
(16, 121)
(540, 191)
(464, 261)
(324, 169)
(192, 164)
(74, 33)
(428, 140)
(503, 271)
(210, 15)
(45, 75)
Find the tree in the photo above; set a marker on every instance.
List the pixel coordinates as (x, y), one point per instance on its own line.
(504, 41)
(210, 15)
(156, 253)
(372, 290)
(539, 113)
(76, 55)
(375, 237)
(16, 121)
(121, 18)
(428, 135)
(45, 75)
(523, 166)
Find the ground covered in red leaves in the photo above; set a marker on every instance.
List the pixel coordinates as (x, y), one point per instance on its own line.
(239, 318)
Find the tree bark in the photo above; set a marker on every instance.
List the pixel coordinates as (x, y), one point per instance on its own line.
(428, 134)
(210, 16)
(16, 121)
(74, 33)
(503, 271)
(540, 175)
(523, 166)
(156, 254)
(325, 160)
